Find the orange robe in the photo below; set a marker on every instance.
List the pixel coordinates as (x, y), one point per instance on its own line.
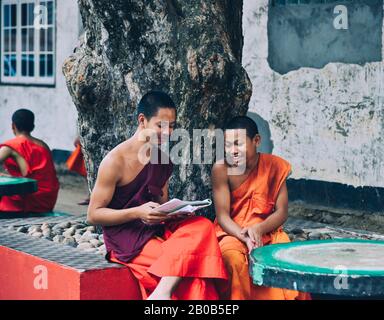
(188, 249)
(41, 168)
(252, 202)
(76, 163)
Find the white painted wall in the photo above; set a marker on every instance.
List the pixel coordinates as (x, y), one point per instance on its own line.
(312, 113)
(55, 113)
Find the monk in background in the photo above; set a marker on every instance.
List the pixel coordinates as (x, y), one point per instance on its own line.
(171, 258)
(76, 163)
(251, 207)
(27, 156)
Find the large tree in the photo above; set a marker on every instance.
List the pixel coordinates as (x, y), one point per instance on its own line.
(190, 49)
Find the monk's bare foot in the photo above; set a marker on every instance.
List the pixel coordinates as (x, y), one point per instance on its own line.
(164, 288)
(159, 296)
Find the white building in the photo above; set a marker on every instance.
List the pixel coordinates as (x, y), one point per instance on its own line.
(31, 62)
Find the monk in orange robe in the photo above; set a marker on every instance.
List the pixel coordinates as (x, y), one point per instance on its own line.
(251, 203)
(26, 156)
(172, 258)
(75, 162)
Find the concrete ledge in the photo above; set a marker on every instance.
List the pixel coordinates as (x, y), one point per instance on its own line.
(69, 273)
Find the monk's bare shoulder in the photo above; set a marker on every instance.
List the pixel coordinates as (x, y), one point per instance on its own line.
(5, 152)
(220, 171)
(45, 145)
(40, 142)
(111, 167)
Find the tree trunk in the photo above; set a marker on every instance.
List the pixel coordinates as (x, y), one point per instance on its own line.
(189, 49)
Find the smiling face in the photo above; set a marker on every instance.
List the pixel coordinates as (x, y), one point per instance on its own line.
(160, 125)
(239, 148)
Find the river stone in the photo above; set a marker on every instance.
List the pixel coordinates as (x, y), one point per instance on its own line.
(328, 218)
(297, 231)
(69, 241)
(33, 229)
(37, 234)
(46, 232)
(87, 236)
(94, 242)
(58, 231)
(56, 227)
(77, 237)
(91, 250)
(64, 225)
(325, 236)
(314, 235)
(23, 229)
(69, 232)
(80, 231)
(58, 238)
(78, 226)
(45, 225)
(87, 233)
(85, 245)
(91, 229)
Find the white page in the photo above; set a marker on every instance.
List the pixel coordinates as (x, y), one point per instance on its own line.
(177, 206)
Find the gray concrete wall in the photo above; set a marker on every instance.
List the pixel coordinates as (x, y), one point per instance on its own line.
(312, 35)
(327, 121)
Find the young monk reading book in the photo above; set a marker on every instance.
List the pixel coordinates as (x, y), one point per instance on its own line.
(251, 206)
(27, 156)
(171, 258)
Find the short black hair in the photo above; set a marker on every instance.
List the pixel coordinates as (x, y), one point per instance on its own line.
(152, 101)
(243, 122)
(24, 120)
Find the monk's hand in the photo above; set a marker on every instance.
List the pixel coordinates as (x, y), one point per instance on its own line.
(255, 235)
(149, 215)
(5, 175)
(249, 243)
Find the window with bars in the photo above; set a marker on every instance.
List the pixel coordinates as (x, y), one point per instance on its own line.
(28, 41)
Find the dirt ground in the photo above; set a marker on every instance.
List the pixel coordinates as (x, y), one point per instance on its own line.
(343, 218)
(73, 189)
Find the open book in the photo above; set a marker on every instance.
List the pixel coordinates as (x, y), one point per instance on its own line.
(177, 206)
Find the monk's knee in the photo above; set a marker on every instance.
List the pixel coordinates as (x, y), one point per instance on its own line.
(204, 224)
(234, 259)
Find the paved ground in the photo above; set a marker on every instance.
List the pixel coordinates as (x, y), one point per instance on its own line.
(73, 189)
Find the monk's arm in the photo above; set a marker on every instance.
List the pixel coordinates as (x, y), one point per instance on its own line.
(278, 218)
(98, 213)
(222, 200)
(101, 196)
(5, 153)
